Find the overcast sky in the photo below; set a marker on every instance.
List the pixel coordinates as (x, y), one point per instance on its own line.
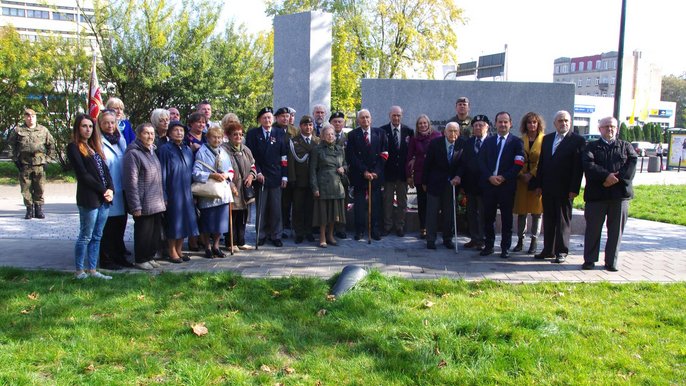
(538, 31)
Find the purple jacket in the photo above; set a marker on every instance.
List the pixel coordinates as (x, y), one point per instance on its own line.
(417, 152)
(142, 177)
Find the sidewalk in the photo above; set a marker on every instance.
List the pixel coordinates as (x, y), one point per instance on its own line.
(650, 251)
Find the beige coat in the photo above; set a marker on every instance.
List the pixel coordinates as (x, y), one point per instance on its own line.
(526, 201)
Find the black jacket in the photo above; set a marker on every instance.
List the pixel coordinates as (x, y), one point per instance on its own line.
(397, 158)
(89, 186)
(599, 159)
(560, 174)
(438, 171)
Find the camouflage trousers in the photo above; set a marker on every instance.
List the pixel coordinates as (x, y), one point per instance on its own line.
(32, 184)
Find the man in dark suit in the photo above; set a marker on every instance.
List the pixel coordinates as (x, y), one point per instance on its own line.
(299, 150)
(470, 182)
(559, 180)
(395, 181)
(500, 160)
(268, 146)
(366, 153)
(441, 175)
(610, 166)
(337, 120)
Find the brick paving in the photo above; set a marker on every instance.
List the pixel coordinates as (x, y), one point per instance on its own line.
(650, 251)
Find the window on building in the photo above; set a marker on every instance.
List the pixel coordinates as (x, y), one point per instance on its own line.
(589, 65)
(605, 65)
(597, 81)
(604, 81)
(573, 67)
(597, 64)
(612, 80)
(36, 14)
(63, 16)
(86, 18)
(580, 83)
(604, 94)
(581, 66)
(7, 11)
(588, 81)
(614, 64)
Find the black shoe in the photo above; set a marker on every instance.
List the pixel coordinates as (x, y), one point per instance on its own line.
(208, 254)
(470, 244)
(532, 247)
(400, 233)
(218, 253)
(277, 243)
(611, 268)
(299, 239)
(261, 241)
(358, 236)
(385, 233)
(185, 257)
(519, 246)
(560, 258)
(29, 213)
(341, 235)
(486, 251)
(449, 244)
(284, 235)
(543, 255)
(309, 237)
(375, 236)
(504, 254)
(177, 260)
(38, 211)
(588, 265)
(127, 252)
(430, 245)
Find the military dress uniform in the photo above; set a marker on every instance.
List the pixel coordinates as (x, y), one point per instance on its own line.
(299, 178)
(31, 148)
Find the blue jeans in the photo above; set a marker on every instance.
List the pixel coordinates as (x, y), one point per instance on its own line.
(92, 223)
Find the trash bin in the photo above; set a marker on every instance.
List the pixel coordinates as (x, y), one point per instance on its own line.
(653, 164)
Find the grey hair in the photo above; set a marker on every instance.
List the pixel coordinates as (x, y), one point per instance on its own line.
(157, 115)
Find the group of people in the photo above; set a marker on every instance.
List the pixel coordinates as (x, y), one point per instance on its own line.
(303, 177)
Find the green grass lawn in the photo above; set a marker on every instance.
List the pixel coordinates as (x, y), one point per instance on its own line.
(136, 329)
(663, 203)
(53, 172)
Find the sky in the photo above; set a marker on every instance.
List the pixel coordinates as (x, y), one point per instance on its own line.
(539, 31)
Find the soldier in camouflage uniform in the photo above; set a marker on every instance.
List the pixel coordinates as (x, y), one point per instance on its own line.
(31, 145)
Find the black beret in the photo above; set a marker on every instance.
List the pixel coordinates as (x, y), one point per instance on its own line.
(480, 118)
(265, 111)
(283, 110)
(337, 114)
(173, 124)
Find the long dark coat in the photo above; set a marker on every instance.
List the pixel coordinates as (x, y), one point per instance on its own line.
(177, 168)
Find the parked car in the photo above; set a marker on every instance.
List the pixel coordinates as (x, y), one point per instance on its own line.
(641, 147)
(591, 137)
(652, 150)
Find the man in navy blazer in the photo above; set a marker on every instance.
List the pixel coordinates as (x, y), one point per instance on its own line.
(470, 182)
(395, 181)
(442, 173)
(366, 153)
(559, 180)
(268, 146)
(500, 160)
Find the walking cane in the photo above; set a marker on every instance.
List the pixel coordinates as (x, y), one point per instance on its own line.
(455, 218)
(231, 226)
(258, 216)
(369, 212)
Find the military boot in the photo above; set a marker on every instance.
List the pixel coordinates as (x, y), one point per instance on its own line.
(519, 246)
(38, 211)
(29, 213)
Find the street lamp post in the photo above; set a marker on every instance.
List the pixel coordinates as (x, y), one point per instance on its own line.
(620, 63)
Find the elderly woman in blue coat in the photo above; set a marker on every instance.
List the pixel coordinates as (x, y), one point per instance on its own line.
(176, 159)
(213, 162)
(112, 249)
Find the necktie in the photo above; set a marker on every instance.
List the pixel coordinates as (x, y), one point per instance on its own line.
(338, 137)
(477, 145)
(396, 138)
(307, 140)
(500, 142)
(500, 152)
(266, 136)
(556, 142)
(450, 152)
(366, 138)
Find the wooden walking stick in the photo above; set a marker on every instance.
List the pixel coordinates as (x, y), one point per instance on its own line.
(455, 218)
(258, 215)
(369, 211)
(231, 226)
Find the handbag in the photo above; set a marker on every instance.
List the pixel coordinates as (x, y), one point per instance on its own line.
(248, 194)
(209, 189)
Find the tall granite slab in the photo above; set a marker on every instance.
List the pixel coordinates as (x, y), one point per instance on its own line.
(302, 60)
(436, 98)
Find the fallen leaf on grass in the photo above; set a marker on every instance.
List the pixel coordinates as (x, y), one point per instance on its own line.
(476, 293)
(318, 383)
(321, 312)
(445, 295)
(437, 351)
(199, 329)
(90, 368)
(289, 370)
(141, 297)
(426, 322)
(265, 368)
(442, 363)
(559, 294)
(428, 304)
(276, 294)
(279, 384)
(331, 298)
(178, 295)
(28, 310)
(33, 296)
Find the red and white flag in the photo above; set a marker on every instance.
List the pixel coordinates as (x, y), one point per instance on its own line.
(94, 94)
